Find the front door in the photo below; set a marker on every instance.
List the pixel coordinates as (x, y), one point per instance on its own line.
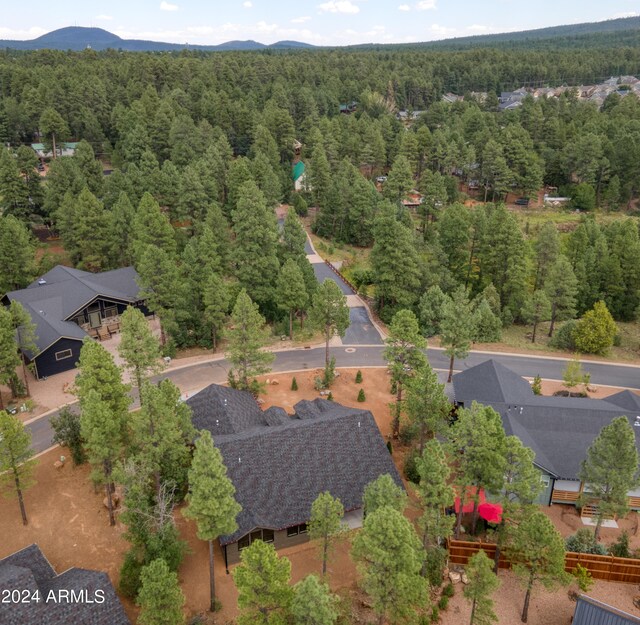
(94, 319)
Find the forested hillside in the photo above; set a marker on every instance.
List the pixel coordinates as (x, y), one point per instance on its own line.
(202, 146)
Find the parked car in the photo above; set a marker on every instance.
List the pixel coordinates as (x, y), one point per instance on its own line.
(381, 179)
(523, 201)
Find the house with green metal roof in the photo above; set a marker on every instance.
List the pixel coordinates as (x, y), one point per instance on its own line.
(298, 175)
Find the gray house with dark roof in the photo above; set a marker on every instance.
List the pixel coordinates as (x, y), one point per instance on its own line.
(279, 464)
(67, 305)
(75, 596)
(591, 612)
(559, 430)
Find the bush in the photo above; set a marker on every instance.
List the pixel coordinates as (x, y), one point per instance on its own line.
(130, 575)
(449, 590)
(536, 387)
(596, 330)
(583, 197)
(294, 384)
(329, 374)
(583, 578)
(359, 377)
(361, 396)
(410, 468)
(67, 433)
(583, 541)
(330, 396)
(564, 336)
(299, 205)
(408, 432)
(620, 549)
(435, 614)
(390, 447)
(443, 604)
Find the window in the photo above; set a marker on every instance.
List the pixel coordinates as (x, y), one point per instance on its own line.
(65, 353)
(110, 312)
(303, 528)
(244, 542)
(297, 529)
(545, 480)
(265, 535)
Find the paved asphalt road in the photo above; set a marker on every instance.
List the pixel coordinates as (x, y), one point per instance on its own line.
(195, 377)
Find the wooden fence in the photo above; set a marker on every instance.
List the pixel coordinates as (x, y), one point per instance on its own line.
(338, 273)
(608, 568)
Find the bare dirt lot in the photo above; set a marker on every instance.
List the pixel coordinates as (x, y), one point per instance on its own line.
(69, 522)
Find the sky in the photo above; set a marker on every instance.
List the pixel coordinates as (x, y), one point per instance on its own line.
(320, 22)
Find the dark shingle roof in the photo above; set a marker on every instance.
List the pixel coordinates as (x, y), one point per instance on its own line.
(592, 612)
(626, 400)
(29, 569)
(280, 465)
(491, 382)
(558, 429)
(60, 293)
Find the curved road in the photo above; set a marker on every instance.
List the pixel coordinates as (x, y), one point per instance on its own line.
(195, 377)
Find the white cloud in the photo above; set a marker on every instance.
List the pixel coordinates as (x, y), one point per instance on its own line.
(404, 7)
(426, 5)
(625, 14)
(300, 20)
(442, 32)
(248, 4)
(106, 18)
(339, 6)
(477, 28)
(167, 6)
(18, 34)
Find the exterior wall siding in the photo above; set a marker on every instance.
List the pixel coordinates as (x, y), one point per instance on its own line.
(280, 541)
(46, 363)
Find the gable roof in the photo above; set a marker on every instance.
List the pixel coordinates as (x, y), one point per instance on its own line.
(592, 612)
(29, 569)
(60, 293)
(298, 170)
(279, 464)
(558, 429)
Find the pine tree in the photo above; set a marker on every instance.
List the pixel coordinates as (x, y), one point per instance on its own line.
(389, 557)
(456, 327)
(160, 598)
(104, 405)
(325, 524)
(14, 194)
(294, 384)
(361, 396)
(54, 128)
(561, 287)
(547, 249)
(435, 495)
(610, 470)
(66, 428)
(319, 177)
(573, 374)
(430, 310)
(536, 551)
(537, 308)
(399, 181)
(313, 603)
(404, 356)
(359, 377)
(16, 464)
(262, 579)
(9, 357)
(211, 499)
(25, 340)
(215, 298)
(477, 439)
(329, 312)
(122, 219)
(486, 324)
(383, 492)
(482, 584)
(151, 227)
(17, 254)
(294, 237)
(536, 386)
(247, 337)
(291, 293)
(427, 407)
(138, 347)
(596, 330)
(256, 232)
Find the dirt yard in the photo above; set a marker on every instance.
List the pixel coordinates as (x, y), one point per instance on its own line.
(69, 522)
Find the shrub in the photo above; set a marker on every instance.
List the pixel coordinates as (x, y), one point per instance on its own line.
(318, 383)
(583, 578)
(361, 396)
(620, 549)
(330, 396)
(390, 447)
(67, 433)
(359, 377)
(443, 604)
(596, 330)
(536, 387)
(299, 205)
(449, 590)
(583, 541)
(294, 385)
(329, 374)
(410, 468)
(435, 614)
(408, 432)
(564, 336)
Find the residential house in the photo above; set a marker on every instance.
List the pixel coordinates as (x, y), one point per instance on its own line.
(591, 612)
(279, 463)
(349, 107)
(299, 176)
(67, 305)
(62, 149)
(451, 98)
(76, 596)
(559, 430)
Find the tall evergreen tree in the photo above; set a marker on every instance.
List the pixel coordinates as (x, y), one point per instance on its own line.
(291, 293)
(211, 500)
(482, 584)
(247, 337)
(54, 128)
(17, 254)
(160, 598)
(151, 227)
(610, 470)
(537, 308)
(313, 603)
(456, 327)
(561, 287)
(16, 464)
(329, 312)
(383, 492)
(325, 524)
(399, 181)
(404, 356)
(215, 298)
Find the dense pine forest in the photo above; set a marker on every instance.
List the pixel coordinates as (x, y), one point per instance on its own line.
(200, 147)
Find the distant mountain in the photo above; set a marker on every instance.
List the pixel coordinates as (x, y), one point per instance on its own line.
(617, 32)
(79, 38)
